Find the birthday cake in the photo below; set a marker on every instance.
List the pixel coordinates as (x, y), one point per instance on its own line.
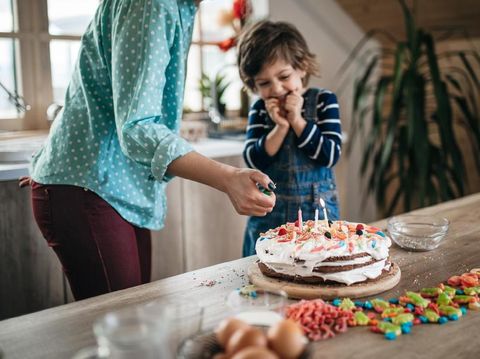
(315, 252)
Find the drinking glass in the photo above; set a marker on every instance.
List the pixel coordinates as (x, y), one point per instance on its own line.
(127, 334)
(182, 318)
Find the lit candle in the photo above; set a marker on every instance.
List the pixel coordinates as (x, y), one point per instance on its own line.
(300, 221)
(316, 218)
(322, 203)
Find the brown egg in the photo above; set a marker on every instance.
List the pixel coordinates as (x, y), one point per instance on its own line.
(255, 353)
(286, 339)
(226, 328)
(246, 337)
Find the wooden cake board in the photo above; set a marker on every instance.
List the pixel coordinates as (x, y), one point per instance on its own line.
(325, 291)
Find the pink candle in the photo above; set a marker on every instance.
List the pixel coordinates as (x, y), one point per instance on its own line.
(300, 221)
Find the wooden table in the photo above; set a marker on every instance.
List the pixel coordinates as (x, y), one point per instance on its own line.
(59, 332)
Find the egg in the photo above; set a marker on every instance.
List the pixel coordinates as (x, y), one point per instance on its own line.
(255, 353)
(246, 337)
(226, 328)
(286, 339)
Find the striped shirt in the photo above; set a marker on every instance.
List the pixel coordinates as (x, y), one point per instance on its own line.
(321, 139)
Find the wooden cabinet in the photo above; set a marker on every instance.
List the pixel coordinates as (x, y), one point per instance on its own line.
(31, 277)
(201, 229)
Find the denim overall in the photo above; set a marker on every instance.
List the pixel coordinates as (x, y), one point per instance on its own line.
(300, 182)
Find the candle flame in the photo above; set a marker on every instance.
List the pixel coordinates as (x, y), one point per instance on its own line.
(322, 202)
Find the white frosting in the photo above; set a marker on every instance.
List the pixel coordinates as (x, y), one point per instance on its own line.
(348, 277)
(298, 252)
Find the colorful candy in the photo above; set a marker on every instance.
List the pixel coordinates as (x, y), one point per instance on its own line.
(403, 318)
(472, 290)
(444, 299)
(361, 318)
(386, 327)
(415, 299)
(380, 305)
(430, 292)
(440, 304)
(347, 304)
(448, 310)
(431, 315)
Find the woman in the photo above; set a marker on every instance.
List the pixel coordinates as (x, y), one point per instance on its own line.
(98, 184)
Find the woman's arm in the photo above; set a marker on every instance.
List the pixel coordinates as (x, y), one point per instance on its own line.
(240, 184)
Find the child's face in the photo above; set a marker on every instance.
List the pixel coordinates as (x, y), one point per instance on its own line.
(277, 80)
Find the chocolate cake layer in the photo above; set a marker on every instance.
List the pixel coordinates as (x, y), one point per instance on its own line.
(337, 259)
(312, 279)
(336, 269)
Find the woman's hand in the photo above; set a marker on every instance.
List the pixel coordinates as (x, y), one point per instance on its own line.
(244, 194)
(24, 181)
(240, 184)
(276, 112)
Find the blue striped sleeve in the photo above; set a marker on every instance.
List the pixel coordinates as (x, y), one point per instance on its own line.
(258, 127)
(322, 140)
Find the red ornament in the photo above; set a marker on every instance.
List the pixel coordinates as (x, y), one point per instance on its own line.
(282, 231)
(241, 9)
(227, 44)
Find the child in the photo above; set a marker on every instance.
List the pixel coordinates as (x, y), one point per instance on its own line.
(293, 132)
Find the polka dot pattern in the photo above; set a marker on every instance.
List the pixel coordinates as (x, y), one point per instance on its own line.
(118, 131)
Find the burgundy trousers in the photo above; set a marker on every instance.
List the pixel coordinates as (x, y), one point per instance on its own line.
(100, 252)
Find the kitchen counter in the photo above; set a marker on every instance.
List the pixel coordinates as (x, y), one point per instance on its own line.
(61, 331)
(213, 148)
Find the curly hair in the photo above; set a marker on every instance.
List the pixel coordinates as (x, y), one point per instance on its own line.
(265, 42)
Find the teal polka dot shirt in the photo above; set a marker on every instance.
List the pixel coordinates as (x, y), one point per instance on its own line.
(118, 130)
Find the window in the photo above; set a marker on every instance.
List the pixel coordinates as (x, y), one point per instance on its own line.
(66, 18)
(212, 27)
(206, 57)
(41, 39)
(8, 69)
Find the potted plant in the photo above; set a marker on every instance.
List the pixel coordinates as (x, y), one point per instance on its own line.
(410, 115)
(213, 90)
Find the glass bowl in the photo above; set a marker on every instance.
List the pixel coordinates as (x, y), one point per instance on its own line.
(258, 306)
(417, 232)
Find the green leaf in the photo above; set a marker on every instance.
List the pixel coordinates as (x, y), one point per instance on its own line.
(469, 68)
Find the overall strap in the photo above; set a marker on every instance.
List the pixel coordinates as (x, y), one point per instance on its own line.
(311, 100)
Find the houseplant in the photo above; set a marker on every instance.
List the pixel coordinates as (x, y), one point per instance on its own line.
(213, 90)
(410, 116)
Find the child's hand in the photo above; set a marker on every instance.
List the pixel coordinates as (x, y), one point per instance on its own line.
(276, 112)
(293, 107)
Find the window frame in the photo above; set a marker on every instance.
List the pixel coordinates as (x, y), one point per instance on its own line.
(34, 68)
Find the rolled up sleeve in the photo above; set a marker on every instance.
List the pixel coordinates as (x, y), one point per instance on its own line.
(142, 48)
